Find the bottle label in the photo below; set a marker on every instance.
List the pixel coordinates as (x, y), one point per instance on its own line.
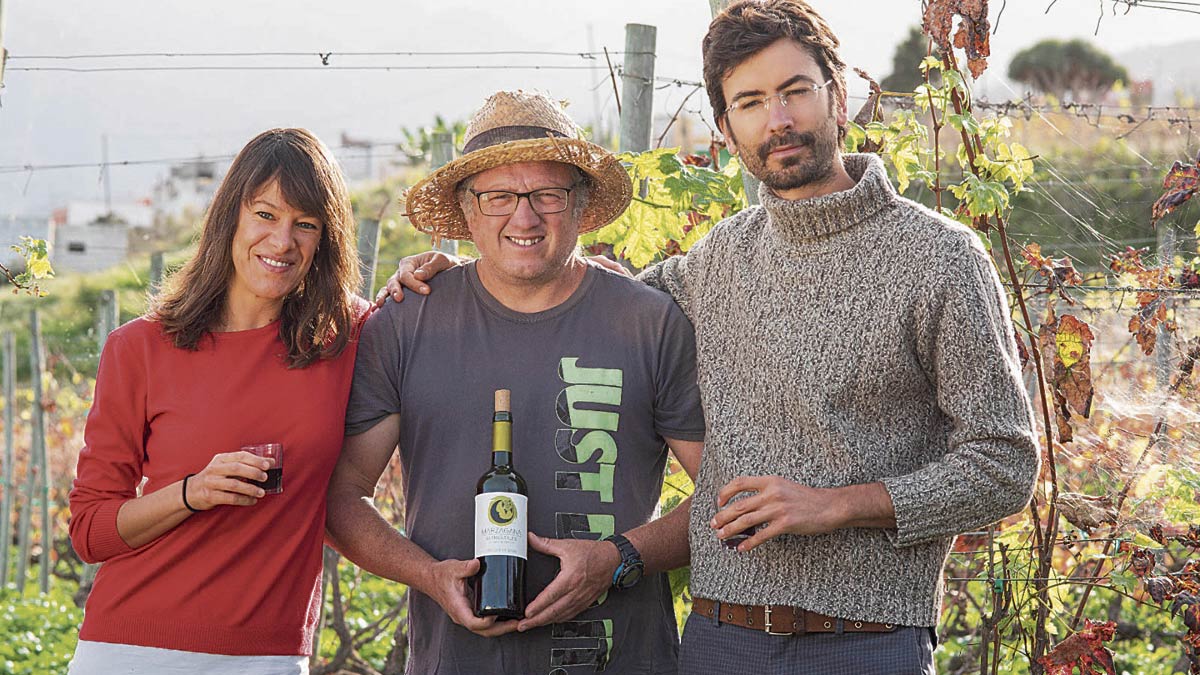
(500, 524)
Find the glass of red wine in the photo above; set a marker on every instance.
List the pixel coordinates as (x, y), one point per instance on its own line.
(731, 542)
(273, 485)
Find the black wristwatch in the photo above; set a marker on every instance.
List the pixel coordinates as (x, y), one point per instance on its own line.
(629, 572)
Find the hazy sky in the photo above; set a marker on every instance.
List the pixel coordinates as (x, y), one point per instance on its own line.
(59, 117)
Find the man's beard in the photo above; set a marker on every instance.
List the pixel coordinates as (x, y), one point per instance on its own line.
(798, 170)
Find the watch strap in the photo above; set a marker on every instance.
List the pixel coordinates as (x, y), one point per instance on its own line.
(628, 551)
(630, 557)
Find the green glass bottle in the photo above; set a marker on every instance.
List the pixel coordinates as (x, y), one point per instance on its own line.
(501, 503)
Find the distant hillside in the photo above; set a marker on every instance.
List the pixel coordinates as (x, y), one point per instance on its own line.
(1171, 67)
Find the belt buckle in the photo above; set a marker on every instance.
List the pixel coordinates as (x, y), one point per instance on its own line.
(767, 621)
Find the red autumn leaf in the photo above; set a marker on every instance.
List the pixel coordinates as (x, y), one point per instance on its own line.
(1141, 560)
(697, 160)
(1191, 651)
(1144, 324)
(1189, 278)
(1192, 538)
(1130, 260)
(1083, 651)
(1066, 342)
(1160, 588)
(1057, 273)
(1156, 533)
(1188, 604)
(1189, 577)
(1179, 185)
(973, 29)
(1062, 419)
(1152, 306)
(1072, 365)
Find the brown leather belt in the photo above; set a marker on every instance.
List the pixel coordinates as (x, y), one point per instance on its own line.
(784, 620)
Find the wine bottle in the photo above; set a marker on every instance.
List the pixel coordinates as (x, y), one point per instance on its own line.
(500, 523)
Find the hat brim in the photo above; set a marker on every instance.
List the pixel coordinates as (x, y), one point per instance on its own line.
(432, 204)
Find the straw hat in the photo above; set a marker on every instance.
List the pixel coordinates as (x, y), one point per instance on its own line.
(512, 127)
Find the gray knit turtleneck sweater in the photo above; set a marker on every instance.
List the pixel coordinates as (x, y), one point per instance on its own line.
(848, 339)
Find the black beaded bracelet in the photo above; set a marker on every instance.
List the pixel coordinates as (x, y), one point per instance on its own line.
(185, 501)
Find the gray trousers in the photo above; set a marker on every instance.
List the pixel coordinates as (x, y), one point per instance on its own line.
(709, 648)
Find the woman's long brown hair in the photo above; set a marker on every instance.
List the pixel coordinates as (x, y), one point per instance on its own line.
(318, 316)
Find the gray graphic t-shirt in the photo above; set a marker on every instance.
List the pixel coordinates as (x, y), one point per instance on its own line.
(597, 383)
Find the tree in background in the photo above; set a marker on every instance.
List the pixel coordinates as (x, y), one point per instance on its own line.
(906, 61)
(1060, 68)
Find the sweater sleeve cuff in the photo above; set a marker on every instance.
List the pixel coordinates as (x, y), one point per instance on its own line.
(907, 500)
(103, 538)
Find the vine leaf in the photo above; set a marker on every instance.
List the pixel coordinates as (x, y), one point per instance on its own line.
(1072, 363)
(1141, 560)
(1152, 305)
(1190, 277)
(1083, 651)
(1179, 185)
(1058, 273)
(1067, 343)
(1156, 533)
(973, 29)
(682, 199)
(1192, 538)
(1191, 651)
(1188, 604)
(37, 266)
(869, 112)
(1160, 588)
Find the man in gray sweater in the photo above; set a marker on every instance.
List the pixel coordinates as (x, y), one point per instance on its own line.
(857, 365)
(859, 376)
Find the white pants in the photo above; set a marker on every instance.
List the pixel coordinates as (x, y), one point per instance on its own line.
(107, 658)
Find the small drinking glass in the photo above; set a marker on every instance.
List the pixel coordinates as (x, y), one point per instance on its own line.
(273, 485)
(731, 542)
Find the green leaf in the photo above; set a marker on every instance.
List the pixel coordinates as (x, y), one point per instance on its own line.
(965, 122)
(953, 79)
(856, 136)
(875, 131)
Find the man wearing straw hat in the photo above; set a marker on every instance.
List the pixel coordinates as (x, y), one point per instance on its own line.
(859, 374)
(602, 375)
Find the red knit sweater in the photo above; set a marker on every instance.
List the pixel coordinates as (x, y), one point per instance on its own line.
(239, 580)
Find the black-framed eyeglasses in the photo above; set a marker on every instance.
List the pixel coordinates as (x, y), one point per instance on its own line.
(755, 108)
(543, 201)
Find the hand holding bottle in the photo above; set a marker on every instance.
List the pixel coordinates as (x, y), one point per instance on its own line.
(446, 582)
(585, 572)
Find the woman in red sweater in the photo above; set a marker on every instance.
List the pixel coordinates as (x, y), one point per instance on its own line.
(252, 343)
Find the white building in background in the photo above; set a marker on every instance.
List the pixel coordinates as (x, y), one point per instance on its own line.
(188, 187)
(87, 238)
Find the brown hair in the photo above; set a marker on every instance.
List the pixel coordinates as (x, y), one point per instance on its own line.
(317, 317)
(748, 26)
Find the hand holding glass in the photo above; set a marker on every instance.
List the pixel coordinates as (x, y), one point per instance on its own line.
(273, 485)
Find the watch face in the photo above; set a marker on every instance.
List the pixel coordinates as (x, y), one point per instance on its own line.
(630, 575)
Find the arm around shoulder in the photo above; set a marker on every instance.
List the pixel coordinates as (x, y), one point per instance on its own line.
(669, 276)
